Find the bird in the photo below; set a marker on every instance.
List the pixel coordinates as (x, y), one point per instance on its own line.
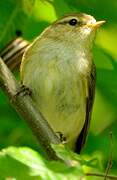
(59, 70)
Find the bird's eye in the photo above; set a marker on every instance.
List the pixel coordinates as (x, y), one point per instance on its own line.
(73, 22)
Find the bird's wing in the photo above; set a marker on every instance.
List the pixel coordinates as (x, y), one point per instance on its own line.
(89, 103)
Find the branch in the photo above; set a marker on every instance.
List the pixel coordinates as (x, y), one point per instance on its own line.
(27, 109)
(102, 175)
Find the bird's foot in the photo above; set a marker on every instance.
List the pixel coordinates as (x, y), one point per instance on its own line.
(62, 138)
(23, 91)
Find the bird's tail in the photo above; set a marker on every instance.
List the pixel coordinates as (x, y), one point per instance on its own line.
(13, 51)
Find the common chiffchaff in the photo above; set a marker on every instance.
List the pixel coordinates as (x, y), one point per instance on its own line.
(59, 70)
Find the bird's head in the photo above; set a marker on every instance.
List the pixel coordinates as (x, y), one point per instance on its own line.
(75, 28)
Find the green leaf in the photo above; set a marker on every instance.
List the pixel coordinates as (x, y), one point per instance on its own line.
(26, 164)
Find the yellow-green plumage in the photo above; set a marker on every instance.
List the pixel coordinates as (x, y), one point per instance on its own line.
(57, 67)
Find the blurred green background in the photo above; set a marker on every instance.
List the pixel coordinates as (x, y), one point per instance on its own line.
(31, 17)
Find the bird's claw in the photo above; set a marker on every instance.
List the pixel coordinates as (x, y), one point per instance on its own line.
(23, 91)
(62, 137)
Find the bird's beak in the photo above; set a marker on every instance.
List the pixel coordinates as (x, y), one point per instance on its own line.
(96, 24)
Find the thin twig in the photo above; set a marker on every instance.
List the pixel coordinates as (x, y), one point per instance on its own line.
(102, 175)
(109, 165)
(27, 109)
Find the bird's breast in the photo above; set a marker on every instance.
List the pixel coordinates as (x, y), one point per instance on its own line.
(57, 76)
(60, 94)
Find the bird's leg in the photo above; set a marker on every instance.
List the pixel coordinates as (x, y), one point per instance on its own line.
(62, 137)
(24, 91)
